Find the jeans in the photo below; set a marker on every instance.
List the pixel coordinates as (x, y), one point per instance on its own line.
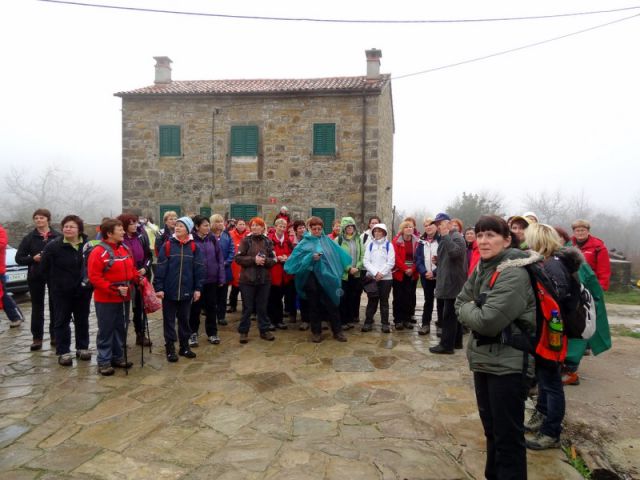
(254, 299)
(208, 301)
(350, 301)
(429, 288)
(13, 311)
(384, 289)
(319, 302)
(172, 309)
(501, 407)
(37, 292)
(404, 294)
(451, 328)
(112, 321)
(551, 401)
(76, 304)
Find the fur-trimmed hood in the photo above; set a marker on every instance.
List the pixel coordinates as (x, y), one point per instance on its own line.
(571, 258)
(518, 258)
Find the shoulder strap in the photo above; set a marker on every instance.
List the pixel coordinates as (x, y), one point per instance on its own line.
(492, 280)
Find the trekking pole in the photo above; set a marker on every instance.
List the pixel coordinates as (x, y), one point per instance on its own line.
(126, 327)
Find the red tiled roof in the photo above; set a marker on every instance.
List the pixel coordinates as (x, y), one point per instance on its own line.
(261, 86)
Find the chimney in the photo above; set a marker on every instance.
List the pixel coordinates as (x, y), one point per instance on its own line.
(373, 63)
(163, 69)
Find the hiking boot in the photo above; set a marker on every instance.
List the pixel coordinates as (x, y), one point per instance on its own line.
(244, 338)
(542, 442)
(15, 323)
(325, 326)
(193, 340)
(186, 352)
(535, 422)
(304, 326)
(424, 330)
(267, 336)
(214, 340)
(399, 326)
(142, 340)
(439, 349)
(347, 326)
(106, 370)
(223, 322)
(408, 325)
(281, 326)
(271, 327)
(83, 355)
(570, 378)
(36, 345)
(367, 327)
(121, 363)
(316, 338)
(171, 353)
(386, 328)
(339, 337)
(65, 360)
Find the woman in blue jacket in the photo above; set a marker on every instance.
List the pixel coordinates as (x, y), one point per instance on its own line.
(228, 252)
(178, 281)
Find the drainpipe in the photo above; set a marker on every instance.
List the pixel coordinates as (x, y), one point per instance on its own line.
(364, 156)
(213, 152)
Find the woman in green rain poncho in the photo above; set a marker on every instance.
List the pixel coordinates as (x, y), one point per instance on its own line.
(318, 264)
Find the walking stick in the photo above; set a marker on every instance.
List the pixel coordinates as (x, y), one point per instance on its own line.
(126, 327)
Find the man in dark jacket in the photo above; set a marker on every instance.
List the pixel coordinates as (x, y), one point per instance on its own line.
(451, 261)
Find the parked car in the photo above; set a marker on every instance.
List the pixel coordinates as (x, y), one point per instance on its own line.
(16, 274)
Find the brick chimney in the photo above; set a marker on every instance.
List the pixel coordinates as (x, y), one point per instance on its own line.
(373, 63)
(163, 69)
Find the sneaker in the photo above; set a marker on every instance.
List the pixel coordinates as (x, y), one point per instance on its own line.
(424, 330)
(399, 326)
(171, 353)
(439, 349)
(193, 340)
(535, 422)
(386, 328)
(325, 326)
(65, 360)
(270, 337)
(316, 338)
(347, 326)
(15, 323)
(121, 364)
(304, 326)
(223, 322)
(83, 355)
(36, 345)
(570, 378)
(281, 326)
(142, 340)
(106, 370)
(244, 338)
(340, 337)
(214, 339)
(542, 442)
(367, 327)
(186, 352)
(408, 325)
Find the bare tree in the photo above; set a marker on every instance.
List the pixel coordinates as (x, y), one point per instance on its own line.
(550, 207)
(468, 207)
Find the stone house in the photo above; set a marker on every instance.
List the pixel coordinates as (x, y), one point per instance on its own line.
(321, 146)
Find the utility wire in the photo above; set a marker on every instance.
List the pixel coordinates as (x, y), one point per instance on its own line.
(511, 50)
(337, 20)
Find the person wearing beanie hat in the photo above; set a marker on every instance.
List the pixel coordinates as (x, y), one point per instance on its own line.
(178, 282)
(517, 226)
(594, 250)
(283, 213)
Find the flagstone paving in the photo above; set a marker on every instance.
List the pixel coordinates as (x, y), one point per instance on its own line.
(377, 407)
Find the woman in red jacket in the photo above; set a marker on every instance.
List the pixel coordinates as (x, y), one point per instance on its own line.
(473, 254)
(237, 234)
(280, 281)
(405, 275)
(594, 250)
(111, 271)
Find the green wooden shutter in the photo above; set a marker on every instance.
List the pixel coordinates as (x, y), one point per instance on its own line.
(328, 215)
(170, 141)
(244, 141)
(205, 212)
(244, 211)
(324, 138)
(168, 208)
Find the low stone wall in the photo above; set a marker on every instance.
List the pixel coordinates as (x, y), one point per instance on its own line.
(620, 274)
(16, 231)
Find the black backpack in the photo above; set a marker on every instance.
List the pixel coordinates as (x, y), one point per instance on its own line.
(86, 251)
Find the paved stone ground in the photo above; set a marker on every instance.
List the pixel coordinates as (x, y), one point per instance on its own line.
(378, 407)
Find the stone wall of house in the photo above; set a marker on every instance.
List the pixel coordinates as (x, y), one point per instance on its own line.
(285, 172)
(384, 180)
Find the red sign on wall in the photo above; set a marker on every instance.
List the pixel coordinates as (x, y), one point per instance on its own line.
(272, 200)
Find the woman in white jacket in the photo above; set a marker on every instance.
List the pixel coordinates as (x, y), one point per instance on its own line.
(379, 260)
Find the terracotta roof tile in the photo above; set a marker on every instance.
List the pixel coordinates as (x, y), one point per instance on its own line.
(261, 86)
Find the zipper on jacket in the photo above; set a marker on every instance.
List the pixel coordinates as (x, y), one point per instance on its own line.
(180, 275)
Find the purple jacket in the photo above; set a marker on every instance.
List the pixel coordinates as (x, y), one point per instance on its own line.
(212, 258)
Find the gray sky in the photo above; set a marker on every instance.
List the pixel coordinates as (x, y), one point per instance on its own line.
(561, 115)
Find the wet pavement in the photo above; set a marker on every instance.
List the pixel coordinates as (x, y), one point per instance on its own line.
(377, 407)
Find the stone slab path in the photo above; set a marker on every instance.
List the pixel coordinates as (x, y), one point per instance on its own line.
(377, 407)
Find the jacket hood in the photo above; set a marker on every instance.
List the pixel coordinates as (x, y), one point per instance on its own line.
(571, 257)
(381, 226)
(517, 258)
(345, 222)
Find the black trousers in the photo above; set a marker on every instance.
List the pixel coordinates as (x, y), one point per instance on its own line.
(501, 406)
(384, 289)
(254, 299)
(451, 328)
(136, 304)
(172, 309)
(275, 309)
(404, 299)
(37, 290)
(350, 301)
(429, 288)
(221, 301)
(233, 297)
(319, 304)
(208, 301)
(67, 305)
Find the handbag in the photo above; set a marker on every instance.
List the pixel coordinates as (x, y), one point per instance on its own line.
(150, 302)
(370, 286)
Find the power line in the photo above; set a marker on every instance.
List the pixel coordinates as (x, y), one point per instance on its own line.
(337, 20)
(511, 50)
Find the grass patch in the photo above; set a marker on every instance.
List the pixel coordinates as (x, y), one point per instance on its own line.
(623, 331)
(576, 461)
(632, 297)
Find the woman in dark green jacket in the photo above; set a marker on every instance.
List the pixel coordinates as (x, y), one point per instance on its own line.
(493, 312)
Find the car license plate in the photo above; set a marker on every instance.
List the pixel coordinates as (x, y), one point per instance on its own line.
(16, 276)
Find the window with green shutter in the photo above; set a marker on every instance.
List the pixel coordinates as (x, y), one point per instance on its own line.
(244, 141)
(168, 208)
(324, 138)
(328, 215)
(205, 212)
(244, 211)
(170, 141)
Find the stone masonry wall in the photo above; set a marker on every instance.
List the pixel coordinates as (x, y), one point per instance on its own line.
(205, 175)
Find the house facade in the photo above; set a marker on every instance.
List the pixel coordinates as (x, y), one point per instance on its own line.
(247, 147)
